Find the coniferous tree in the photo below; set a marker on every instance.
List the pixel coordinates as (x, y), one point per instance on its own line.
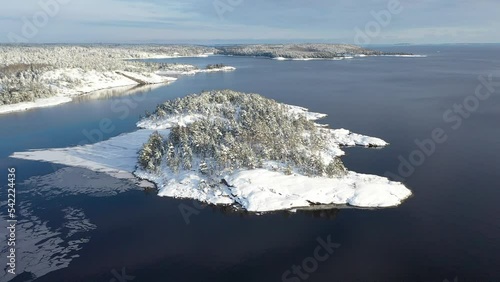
(152, 152)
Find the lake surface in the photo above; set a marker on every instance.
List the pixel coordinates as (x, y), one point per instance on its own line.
(449, 229)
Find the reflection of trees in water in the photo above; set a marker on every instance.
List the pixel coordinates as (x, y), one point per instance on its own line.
(228, 210)
(150, 191)
(321, 213)
(119, 91)
(326, 212)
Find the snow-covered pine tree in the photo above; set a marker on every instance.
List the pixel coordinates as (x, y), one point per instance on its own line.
(335, 168)
(152, 152)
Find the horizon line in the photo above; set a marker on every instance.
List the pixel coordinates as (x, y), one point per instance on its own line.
(211, 42)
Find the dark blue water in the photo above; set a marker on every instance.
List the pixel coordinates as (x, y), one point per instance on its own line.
(449, 228)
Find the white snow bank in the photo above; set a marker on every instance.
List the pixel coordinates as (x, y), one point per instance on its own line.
(40, 103)
(72, 82)
(346, 138)
(296, 111)
(116, 156)
(76, 81)
(186, 185)
(263, 190)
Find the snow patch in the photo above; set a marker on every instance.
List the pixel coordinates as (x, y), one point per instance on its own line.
(346, 138)
(263, 190)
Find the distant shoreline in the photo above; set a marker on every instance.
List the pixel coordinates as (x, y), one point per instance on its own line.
(60, 73)
(128, 79)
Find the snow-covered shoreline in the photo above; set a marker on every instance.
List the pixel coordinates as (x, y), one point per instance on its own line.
(181, 69)
(256, 190)
(174, 56)
(92, 81)
(345, 57)
(312, 59)
(403, 56)
(40, 103)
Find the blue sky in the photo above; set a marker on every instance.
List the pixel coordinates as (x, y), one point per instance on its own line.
(224, 21)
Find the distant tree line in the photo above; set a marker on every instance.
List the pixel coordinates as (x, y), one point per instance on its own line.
(215, 66)
(299, 51)
(21, 83)
(22, 67)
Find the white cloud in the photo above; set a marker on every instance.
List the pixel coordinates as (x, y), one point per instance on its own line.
(157, 20)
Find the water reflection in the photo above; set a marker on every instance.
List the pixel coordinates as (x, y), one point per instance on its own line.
(119, 91)
(323, 213)
(48, 241)
(319, 211)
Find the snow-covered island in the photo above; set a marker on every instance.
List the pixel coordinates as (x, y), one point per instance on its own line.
(47, 75)
(231, 148)
(303, 51)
